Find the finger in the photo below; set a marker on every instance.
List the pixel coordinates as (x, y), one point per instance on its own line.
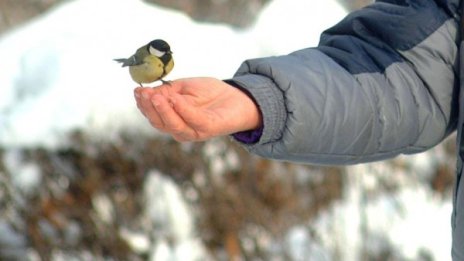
(166, 89)
(138, 101)
(190, 114)
(181, 138)
(172, 122)
(144, 101)
(148, 109)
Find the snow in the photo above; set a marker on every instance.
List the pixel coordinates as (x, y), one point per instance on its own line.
(10, 241)
(286, 26)
(301, 245)
(171, 220)
(27, 176)
(166, 208)
(58, 76)
(412, 212)
(411, 221)
(138, 241)
(104, 208)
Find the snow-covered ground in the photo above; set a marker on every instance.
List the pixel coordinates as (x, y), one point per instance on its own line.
(57, 75)
(61, 63)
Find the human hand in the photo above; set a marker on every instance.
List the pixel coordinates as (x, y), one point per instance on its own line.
(196, 109)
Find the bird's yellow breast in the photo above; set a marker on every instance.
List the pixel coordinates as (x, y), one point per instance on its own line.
(151, 70)
(168, 67)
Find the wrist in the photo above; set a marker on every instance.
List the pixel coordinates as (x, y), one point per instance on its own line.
(270, 103)
(250, 112)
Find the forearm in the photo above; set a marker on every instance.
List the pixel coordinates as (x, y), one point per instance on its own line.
(358, 101)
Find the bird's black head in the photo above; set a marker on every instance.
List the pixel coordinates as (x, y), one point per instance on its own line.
(159, 48)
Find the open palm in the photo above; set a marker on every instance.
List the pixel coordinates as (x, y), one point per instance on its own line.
(198, 108)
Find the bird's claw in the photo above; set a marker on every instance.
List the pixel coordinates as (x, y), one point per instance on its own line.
(166, 82)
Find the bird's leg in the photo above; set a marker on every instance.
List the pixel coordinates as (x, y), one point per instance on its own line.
(166, 82)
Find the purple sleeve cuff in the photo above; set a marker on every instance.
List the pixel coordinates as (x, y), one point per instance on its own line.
(251, 136)
(248, 137)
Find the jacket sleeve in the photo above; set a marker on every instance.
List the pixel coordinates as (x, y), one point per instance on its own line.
(381, 82)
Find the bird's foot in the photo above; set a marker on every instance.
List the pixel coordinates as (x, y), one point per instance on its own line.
(166, 82)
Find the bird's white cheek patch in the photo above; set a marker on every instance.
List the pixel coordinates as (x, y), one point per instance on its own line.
(156, 52)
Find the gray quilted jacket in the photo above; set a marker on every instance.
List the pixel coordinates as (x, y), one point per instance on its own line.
(383, 81)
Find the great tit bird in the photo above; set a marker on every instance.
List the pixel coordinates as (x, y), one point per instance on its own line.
(150, 62)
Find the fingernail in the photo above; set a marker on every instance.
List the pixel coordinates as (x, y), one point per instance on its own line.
(137, 95)
(145, 95)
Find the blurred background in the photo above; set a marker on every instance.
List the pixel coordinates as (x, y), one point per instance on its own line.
(84, 177)
(239, 13)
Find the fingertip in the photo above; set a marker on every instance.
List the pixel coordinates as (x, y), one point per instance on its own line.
(138, 89)
(136, 93)
(145, 93)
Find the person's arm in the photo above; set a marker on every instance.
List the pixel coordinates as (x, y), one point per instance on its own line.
(381, 82)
